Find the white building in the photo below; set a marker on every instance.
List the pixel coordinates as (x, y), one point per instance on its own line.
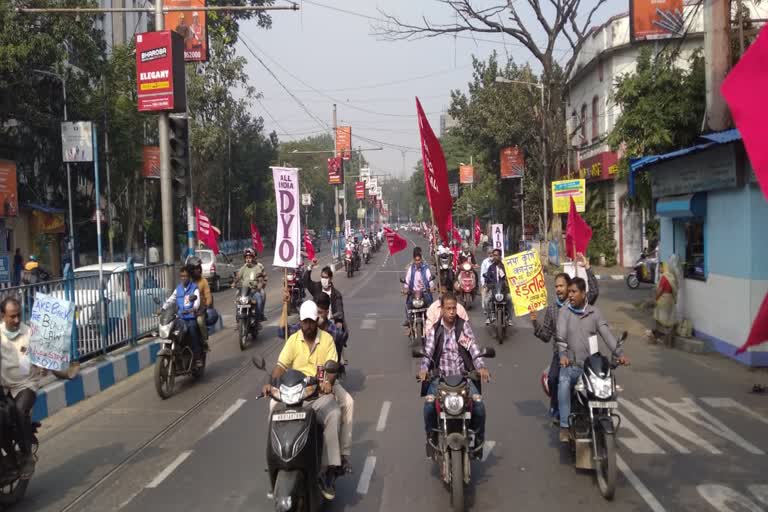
(119, 28)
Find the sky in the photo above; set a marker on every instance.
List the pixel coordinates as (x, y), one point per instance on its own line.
(323, 55)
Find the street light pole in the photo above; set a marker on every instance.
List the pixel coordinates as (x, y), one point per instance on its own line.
(166, 192)
(69, 185)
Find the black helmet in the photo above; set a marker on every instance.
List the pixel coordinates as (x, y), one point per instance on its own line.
(194, 261)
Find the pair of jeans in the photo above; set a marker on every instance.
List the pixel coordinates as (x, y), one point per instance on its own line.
(24, 401)
(478, 412)
(552, 381)
(194, 335)
(260, 298)
(568, 377)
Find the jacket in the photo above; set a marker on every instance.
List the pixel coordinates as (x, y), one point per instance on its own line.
(466, 356)
(574, 331)
(546, 328)
(337, 301)
(186, 308)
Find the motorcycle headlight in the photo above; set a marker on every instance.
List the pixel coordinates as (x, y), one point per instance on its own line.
(243, 300)
(291, 395)
(418, 303)
(165, 331)
(291, 277)
(603, 388)
(499, 297)
(454, 404)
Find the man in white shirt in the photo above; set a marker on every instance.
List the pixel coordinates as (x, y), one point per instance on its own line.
(484, 266)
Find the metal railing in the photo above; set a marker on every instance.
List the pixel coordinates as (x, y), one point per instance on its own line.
(125, 299)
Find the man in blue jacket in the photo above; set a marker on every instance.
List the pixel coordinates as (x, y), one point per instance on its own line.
(186, 296)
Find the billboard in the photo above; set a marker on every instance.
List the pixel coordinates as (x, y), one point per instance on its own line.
(160, 72)
(344, 141)
(76, 141)
(466, 174)
(562, 191)
(656, 19)
(454, 189)
(335, 171)
(191, 26)
(151, 165)
(9, 195)
(360, 190)
(512, 162)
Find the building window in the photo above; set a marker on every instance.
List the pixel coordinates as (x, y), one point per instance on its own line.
(584, 124)
(694, 265)
(595, 118)
(600, 69)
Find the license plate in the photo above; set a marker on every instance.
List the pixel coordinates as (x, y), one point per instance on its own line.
(603, 405)
(289, 416)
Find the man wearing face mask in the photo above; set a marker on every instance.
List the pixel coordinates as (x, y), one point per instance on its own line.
(326, 286)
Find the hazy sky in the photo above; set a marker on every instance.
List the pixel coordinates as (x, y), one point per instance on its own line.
(372, 81)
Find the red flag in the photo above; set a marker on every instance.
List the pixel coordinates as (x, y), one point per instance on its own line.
(205, 231)
(577, 234)
(759, 332)
(308, 247)
(258, 245)
(435, 176)
(744, 90)
(478, 231)
(456, 235)
(395, 242)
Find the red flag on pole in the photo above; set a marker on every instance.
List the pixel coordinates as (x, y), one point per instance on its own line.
(205, 232)
(744, 90)
(395, 243)
(478, 231)
(258, 245)
(759, 332)
(577, 234)
(435, 176)
(456, 235)
(308, 247)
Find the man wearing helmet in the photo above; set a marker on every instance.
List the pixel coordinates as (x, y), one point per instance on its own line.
(195, 265)
(252, 275)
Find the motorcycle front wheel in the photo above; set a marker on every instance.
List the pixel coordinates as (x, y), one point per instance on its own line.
(457, 481)
(500, 326)
(418, 333)
(13, 492)
(632, 281)
(606, 467)
(165, 380)
(243, 333)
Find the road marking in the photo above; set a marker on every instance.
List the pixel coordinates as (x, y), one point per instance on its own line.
(487, 447)
(365, 477)
(371, 315)
(224, 417)
(730, 403)
(724, 499)
(617, 278)
(639, 486)
(368, 323)
(640, 443)
(382, 424)
(170, 469)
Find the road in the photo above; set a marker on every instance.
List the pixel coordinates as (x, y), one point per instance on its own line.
(692, 438)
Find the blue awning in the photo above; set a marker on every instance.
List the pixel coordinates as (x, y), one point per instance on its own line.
(688, 205)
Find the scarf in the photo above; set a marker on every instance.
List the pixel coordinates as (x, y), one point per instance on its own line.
(11, 335)
(576, 310)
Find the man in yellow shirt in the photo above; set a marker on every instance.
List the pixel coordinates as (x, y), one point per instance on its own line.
(307, 351)
(195, 265)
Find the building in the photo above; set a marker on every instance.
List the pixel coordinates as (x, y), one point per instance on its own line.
(120, 27)
(713, 216)
(446, 123)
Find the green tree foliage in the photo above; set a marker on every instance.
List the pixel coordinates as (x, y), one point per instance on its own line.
(603, 242)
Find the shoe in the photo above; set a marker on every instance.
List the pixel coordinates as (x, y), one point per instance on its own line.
(487, 321)
(555, 420)
(565, 435)
(346, 465)
(327, 484)
(510, 323)
(206, 346)
(430, 445)
(199, 363)
(27, 466)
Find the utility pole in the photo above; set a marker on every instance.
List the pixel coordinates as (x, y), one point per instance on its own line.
(111, 231)
(336, 208)
(191, 218)
(166, 192)
(717, 57)
(69, 186)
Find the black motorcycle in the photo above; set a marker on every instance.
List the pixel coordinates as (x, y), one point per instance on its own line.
(295, 446)
(594, 422)
(455, 437)
(13, 486)
(247, 317)
(175, 358)
(295, 282)
(445, 270)
(643, 271)
(499, 313)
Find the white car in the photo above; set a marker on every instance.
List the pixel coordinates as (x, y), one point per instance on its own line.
(218, 269)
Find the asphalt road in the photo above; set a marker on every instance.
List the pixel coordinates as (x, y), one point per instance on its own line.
(692, 438)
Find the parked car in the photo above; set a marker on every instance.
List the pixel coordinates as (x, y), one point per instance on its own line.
(218, 269)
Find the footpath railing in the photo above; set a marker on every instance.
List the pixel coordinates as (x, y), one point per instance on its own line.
(109, 314)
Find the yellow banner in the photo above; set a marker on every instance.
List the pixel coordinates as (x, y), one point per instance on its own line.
(562, 191)
(526, 282)
(150, 86)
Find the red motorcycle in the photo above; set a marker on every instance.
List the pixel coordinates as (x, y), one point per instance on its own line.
(466, 284)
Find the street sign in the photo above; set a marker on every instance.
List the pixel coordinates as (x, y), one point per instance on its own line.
(160, 78)
(76, 141)
(361, 213)
(365, 174)
(306, 199)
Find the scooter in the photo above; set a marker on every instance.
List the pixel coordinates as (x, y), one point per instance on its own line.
(466, 285)
(644, 270)
(175, 357)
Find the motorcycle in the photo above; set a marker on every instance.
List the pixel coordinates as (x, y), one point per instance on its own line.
(594, 422)
(644, 270)
(466, 285)
(445, 268)
(247, 317)
(295, 285)
(295, 446)
(349, 264)
(499, 313)
(455, 437)
(366, 254)
(13, 486)
(417, 317)
(175, 358)
(356, 259)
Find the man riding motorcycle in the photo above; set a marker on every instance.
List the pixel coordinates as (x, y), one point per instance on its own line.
(326, 286)
(578, 325)
(484, 266)
(451, 345)
(307, 351)
(188, 309)
(366, 245)
(494, 274)
(466, 254)
(249, 275)
(418, 277)
(206, 297)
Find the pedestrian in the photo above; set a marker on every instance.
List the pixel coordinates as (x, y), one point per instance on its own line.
(665, 312)
(18, 264)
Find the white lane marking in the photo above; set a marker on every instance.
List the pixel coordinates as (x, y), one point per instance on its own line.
(129, 500)
(382, 424)
(371, 315)
(640, 443)
(617, 278)
(224, 417)
(639, 486)
(368, 323)
(730, 403)
(724, 499)
(487, 447)
(170, 469)
(365, 477)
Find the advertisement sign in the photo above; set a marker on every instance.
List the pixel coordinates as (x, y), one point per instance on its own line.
(191, 26)
(9, 196)
(347, 228)
(76, 141)
(466, 174)
(288, 248)
(47, 222)
(603, 166)
(497, 237)
(365, 174)
(454, 188)
(512, 162)
(160, 72)
(151, 167)
(50, 332)
(335, 171)
(344, 141)
(360, 190)
(361, 213)
(372, 184)
(656, 19)
(306, 199)
(526, 282)
(562, 191)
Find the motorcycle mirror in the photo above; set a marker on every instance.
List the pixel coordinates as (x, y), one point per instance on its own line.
(417, 353)
(623, 337)
(259, 362)
(332, 367)
(488, 352)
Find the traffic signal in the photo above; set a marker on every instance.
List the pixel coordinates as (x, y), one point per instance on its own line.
(178, 135)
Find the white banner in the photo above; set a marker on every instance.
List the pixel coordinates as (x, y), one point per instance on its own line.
(51, 332)
(497, 235)
(306, 199)
(373, 183)
(365, 174)
(76, 141)
(288, 250)
(347, 228)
